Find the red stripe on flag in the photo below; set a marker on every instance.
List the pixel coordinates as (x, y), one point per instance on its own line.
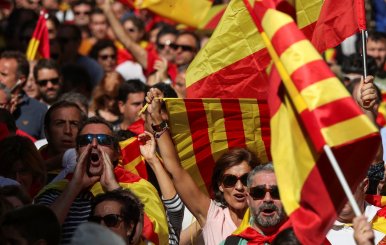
(284, 37)
(201, 143)
(265, 126)
(310, 73)
(212, 24)
(223, 83)
(308, 30)
(130, 152)
(233, 122)
(335, 112)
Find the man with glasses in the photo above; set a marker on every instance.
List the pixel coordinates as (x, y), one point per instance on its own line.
(266, 209)
(82, 10)
(187, 46)
(97, 172)
(48, 80)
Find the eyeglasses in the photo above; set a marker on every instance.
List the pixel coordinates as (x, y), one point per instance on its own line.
(105, 57)
(84, 13)
(43, 82)
(258, 192)
(230, 180)
(183, 47)
(110, 220)
(168, 43)
(102, 139)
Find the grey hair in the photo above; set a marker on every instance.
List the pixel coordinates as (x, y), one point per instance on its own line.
(268, 167)
(6, 90)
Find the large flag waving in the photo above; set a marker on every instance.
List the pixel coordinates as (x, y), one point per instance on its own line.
(310, 108)
(39, 43)
(232, 64)
(203, 129)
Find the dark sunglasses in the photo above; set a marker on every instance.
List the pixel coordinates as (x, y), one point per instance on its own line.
(102, 139)
(162, 46)
(105, 57)
(43, 82)
(183, 47)
(258, 192)
(80, 13)
(110, 220)
(230, 180)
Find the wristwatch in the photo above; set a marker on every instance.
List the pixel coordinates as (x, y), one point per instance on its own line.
(160, 127)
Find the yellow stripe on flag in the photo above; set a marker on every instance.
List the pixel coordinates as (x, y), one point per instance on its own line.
(338, 133)
(131, 166)
(179, 126)
(293, 156)
(32, 49)
(314, 98)
(307, 11)
(217, 133)
(272, 22)
(298, 55)
(253, 139)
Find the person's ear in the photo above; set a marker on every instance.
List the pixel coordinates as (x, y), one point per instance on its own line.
(121, 106)
(221, 188)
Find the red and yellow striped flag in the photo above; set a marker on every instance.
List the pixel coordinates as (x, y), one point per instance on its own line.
(232, 64)
(310, 108)
(39, 42)
(203, 129)
(188, 12)
(132, 160)
(213, 17)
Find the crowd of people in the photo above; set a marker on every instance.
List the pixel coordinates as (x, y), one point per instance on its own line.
(62, 118)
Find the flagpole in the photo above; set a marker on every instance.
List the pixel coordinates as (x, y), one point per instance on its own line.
(342, 180)
(364, 52)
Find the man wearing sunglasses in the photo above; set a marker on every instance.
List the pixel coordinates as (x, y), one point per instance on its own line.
(48, 80)
(266, 209)
(97, 172)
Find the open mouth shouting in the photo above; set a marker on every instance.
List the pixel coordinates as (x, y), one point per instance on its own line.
(95, 165)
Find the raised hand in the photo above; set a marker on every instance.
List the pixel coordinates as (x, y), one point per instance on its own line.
(107, 179)
(147, 145)
(367, 94)
(80, 177)
(363, 233)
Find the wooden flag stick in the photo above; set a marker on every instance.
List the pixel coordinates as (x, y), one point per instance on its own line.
(342, 180)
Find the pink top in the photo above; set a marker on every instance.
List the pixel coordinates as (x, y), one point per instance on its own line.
(218, 226)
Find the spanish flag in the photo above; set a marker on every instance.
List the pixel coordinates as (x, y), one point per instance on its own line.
(233, 62)
(203, 129)
(213, 17)
(188, 12)
(39, 43)
(310, 108)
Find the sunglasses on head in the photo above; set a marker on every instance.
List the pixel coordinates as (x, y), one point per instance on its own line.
(183, 47)
(105, 57)
(102, 139)
(230, 180)
(43, 82)
(110, 220)
(258, 192)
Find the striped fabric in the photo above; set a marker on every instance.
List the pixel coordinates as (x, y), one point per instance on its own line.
(175, 214)
(132, 159)
(188, 12)
(39, 43)
(310, 108)
(232, 64)
(79, 211)
(213, 17)
(203, 129)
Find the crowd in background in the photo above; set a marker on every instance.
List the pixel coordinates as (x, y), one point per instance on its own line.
(61, 119)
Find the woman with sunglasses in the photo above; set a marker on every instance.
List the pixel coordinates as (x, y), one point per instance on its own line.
(121, 212)
(221, 216)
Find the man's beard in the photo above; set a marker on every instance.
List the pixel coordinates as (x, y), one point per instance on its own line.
(269, 221)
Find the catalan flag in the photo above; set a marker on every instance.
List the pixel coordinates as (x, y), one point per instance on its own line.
(213, 17)
(39, 43)
(203, 129)
(188, 12)
(379, 220)
(132, 160)
(310, 108)
(233, 63)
